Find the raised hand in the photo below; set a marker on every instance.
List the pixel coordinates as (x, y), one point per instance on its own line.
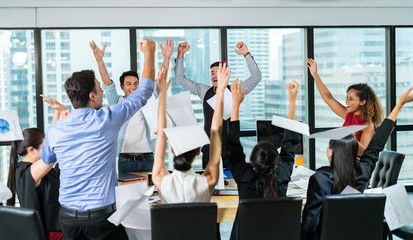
(54, 104)
(312, 65)
(292, 89)
(99, 53)
(406, 97)
(162, 84)
(241, 48)
(237, 94)
(147, 46)
(183, 48)
(168, 49)
(223, 75)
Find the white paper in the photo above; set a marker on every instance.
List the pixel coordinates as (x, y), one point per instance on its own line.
(338, 133)
(186, 138)
(150, 111)
(182, 116)
(5, 193)
(182, 99)
(349, 190)
(221, 182)
(9, 126)
(302, 182)
(398, 210)
(373, 190)
(132, 206)
(227, 103)
(291, 125)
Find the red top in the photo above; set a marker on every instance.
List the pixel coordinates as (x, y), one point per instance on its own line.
(354, 119)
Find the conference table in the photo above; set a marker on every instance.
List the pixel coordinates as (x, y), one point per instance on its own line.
(228, 205)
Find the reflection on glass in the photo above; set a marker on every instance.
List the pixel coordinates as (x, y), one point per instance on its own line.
(321, 159)
(205, 49)
(405, 146)
(68, 51)
(346, 56)
(404, 71)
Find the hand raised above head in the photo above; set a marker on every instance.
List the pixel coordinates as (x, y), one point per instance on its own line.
(312, 65)
(223, 75)
(99, 53)
(169, 47)
(147, 46)
(406, 97)
(241, 48)
(292, 89)
(237, 94)
(53, 103)
(183, 47)
(161, 83)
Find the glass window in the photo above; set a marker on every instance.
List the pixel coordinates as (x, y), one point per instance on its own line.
(50, 35)
(405, 146)
(78, 56)
(205, 49)
(404, 71)
(50, 46)
(279, 54)
(17, 82)
(105, 34)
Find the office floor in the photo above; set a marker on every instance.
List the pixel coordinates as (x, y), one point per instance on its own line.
(225, 228)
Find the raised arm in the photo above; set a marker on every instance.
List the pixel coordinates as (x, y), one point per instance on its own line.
(255, 78)
(167, 51)
(292, 90)
(99, 53)
(180, 77)
(212, 169)
(60, 110)
(148, 48)
(159, 170)
(337, 107)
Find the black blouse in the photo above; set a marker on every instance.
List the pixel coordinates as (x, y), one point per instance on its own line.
(44, 198)
(321, 182)
(245, 176)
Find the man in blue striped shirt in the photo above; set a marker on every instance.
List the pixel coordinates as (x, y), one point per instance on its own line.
(85, 143)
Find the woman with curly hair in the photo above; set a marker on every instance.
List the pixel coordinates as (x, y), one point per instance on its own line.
(362, 107)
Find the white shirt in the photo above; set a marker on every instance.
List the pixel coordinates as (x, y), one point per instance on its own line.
(183, 187)
(135, 136)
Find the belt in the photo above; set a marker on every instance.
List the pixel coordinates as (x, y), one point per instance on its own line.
(89, 213)
(136, 157)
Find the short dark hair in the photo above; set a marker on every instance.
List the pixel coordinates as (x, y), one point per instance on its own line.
(128, 73)
(79, 86)
(215, 64)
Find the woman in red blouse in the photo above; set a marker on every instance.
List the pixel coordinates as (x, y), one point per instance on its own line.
(362, 107)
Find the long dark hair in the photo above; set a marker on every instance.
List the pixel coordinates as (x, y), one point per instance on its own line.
(33, 137)
(265, 159)
(342, 162)
(372, 110)
(183, 162)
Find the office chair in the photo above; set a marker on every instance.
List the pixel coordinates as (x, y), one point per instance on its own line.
(269, 218)
(353, 216)
(20, 223)
(387, 169)
(179, 221)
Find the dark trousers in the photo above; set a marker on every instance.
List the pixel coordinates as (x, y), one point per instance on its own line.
(92, 224)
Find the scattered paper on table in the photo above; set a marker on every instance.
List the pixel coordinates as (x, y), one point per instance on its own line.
(9, 126)
(186, 138)
(376, 190)
(5, 193)
(132, 206)
(349, 190)
(227, 103)
(398, 210)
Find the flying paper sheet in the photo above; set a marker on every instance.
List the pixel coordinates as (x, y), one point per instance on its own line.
(150, 111)
(132, 206)
(179, 109)
(9, 126)
(221, 182)
(398, 209)
(302, 128)
(227, 103)
(5, 193)
(186, 138)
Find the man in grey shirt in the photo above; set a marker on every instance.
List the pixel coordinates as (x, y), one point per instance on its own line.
(205, 92)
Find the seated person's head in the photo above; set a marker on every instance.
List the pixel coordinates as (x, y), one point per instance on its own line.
(183, 162)
(265, 159)
(31, 144)
(342, 155)
(84, 90)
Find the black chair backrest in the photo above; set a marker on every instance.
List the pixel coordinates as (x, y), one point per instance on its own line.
(184, 221)
(387, 169)
(353, 216)
(269, 218)
(20, 223)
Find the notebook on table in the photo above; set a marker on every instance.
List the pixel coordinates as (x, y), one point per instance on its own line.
(125, 177)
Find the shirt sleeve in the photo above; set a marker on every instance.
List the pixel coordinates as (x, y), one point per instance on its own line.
(124, 110)
(47, 154)
(236, 152)
(313, 206)
(287, 155)
(255, 77)
(111, 93)
(198, 89)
